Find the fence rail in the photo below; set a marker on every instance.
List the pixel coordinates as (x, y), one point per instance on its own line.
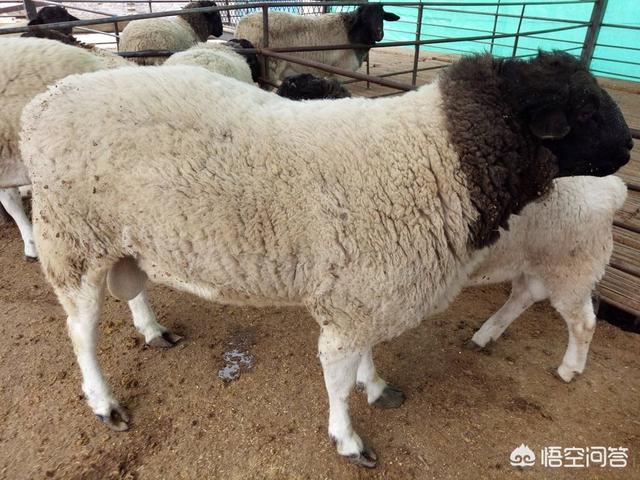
(421, 31)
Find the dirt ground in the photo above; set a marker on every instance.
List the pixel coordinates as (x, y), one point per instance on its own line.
(466, 411)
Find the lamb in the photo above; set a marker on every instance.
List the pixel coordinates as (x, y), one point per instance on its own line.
(170, 33)
(363, 26)
(52, 14)
(309, 87)
(29, 65)
(219, 57)
(555, 249)
(372, 231)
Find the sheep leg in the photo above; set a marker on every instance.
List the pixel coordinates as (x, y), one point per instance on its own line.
(581, 323)
(524, 293)
(340, 370)
(379, 393)
(83, 309)
(155, 335)
(12, 203)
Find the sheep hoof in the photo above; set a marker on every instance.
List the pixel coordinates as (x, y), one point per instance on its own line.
(390, 398)
(367, 458)
(565, 375)
(116, 419)
(168, 339)
(474, 347)
(30, 259)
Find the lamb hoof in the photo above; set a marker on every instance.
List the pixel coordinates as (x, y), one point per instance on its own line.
(30, 259)
(367, 458)
(116, 420)
(166, 340)
(390, 398)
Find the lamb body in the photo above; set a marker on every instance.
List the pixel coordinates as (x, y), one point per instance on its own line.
(170, 33)
(362, 26)
(371, 232)
(556, 248)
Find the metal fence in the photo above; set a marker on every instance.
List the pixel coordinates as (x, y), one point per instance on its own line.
(524, 26)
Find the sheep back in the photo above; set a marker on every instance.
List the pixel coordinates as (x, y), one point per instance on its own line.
(173, 34)
(216, 57)
(29, 65)
(287, 30)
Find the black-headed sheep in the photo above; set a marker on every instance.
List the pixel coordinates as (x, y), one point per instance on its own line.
(170, 33)
(362, 26)
(372, 232)
(309, 87)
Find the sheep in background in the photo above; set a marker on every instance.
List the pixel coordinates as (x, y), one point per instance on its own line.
(239, 45)
(362, 26)
(372, 231)
(218, 57)
(557, 249)
(53, 14)
(309, 87)
(29, 66)
(170, 33)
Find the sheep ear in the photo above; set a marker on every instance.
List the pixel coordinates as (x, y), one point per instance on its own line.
(549, 124)
(390, 17)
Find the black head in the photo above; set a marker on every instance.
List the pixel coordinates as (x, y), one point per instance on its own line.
(252, 59)
(209, 23)
(563, 107)
(365, 23)
(54, 15)
(309, 87)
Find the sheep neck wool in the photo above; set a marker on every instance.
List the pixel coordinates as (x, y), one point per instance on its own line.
(505, 169)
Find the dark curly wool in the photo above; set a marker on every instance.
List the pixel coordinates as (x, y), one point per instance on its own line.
(203, 24)
(516, 125)
(53, 14)
(309, 87)
(252, 59)
(365, 26)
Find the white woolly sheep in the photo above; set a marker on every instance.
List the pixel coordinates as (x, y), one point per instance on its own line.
(218, 57)
(170, 33)
(372, 231)
(363, 26)
(557, 249)
(29, 65)
(54, 62)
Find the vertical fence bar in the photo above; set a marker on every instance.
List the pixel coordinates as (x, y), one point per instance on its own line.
(593, 30)
(368, 72)
(29, 8)
(150, 7)
(416, 52)
(265, 41)
(116, 30)
(226, 2)
(517, 38)
(495, 25)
